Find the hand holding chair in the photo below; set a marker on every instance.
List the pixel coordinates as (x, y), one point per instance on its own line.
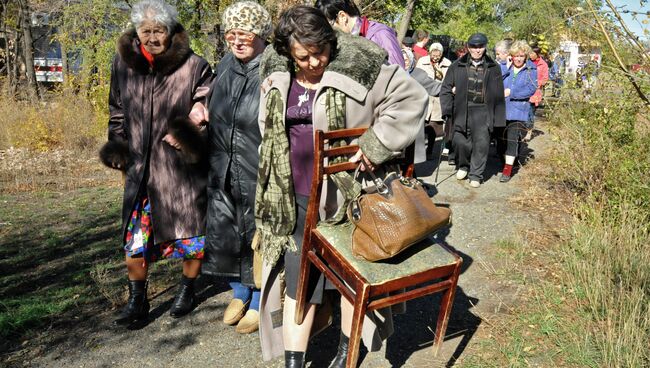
(425, 268)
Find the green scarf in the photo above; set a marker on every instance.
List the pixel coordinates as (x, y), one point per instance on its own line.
(275, 203)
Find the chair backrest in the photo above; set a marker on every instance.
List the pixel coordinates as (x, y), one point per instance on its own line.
(323, 165)
(321, 140)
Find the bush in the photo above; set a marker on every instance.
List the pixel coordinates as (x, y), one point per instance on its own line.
(603, 156)
(67, 121)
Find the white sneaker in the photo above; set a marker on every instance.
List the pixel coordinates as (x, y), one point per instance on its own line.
(461, 174)
(474, 183)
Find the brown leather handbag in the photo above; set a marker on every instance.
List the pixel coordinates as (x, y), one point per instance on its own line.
(394, 215)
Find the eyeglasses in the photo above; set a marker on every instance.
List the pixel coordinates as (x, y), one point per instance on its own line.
(244, 37)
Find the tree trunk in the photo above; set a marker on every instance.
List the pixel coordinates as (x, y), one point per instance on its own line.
(15, 78)
(404, 24)
(7, 53)
(28, 49)
(64, 61)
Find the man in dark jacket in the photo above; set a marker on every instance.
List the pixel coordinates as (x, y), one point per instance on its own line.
(473, 104)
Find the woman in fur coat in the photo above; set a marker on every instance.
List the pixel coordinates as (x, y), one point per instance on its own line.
(315, 78)
(156, 80)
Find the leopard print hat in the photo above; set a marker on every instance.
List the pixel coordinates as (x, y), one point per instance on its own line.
(247, 16)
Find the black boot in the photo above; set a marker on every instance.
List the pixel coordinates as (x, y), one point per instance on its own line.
(294, 359)
(184, 302)
(137, 307)
(342, 355)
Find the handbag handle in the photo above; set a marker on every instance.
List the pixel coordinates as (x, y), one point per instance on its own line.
(382, 188)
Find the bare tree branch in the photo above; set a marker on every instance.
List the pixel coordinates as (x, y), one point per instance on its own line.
(618, 58)
(630, 35)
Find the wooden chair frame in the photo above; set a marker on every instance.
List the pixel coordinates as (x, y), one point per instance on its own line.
(364, 296)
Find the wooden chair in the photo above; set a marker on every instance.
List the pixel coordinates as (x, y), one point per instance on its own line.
(422, 269)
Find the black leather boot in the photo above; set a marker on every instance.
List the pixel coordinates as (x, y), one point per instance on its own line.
(184, 301)
(294, 359)
(342, 355)
(137, 307)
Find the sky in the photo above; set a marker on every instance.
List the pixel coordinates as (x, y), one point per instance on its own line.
(634, 25)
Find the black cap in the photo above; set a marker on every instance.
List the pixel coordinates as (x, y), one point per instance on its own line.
(408, 41)
(477, 39)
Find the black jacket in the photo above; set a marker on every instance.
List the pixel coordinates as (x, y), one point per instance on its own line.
(234, 138)
(454, 106)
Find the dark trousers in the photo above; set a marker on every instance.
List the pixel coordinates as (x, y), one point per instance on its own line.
(508, 138)
(472, 142)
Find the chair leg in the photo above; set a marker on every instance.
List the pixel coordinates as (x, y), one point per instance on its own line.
(445, 311)
(360, 306)
(301, 292)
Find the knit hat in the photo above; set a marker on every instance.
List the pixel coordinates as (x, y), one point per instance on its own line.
(408, 41)
(436, 46)
(247, 16)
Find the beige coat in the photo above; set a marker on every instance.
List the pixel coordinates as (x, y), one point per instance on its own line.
(394, 107)
(424, 63)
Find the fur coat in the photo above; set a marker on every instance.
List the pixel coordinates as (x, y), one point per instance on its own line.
(145, 104)
(382, 97)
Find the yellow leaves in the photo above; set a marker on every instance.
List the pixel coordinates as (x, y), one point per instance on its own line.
(34, 132)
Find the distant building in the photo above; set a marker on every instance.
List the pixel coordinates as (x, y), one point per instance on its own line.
(578, 55)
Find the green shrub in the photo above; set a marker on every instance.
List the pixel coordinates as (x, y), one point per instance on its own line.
(603, 156)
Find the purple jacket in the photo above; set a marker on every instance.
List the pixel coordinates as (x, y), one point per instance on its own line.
(385, 37)
(521, 88)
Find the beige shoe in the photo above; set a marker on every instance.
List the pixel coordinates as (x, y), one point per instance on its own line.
(250, 322)
(474, 183)
(461, 174)
(235, 311)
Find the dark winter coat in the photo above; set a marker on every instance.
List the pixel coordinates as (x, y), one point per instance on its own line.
(143, 103)
(454, 106)
(233, 150)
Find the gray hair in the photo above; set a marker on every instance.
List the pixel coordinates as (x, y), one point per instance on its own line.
(503, 46)
(154, 10)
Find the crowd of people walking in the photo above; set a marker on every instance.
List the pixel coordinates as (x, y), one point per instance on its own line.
(218, 164)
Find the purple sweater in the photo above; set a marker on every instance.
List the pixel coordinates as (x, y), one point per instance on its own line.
(385, 37)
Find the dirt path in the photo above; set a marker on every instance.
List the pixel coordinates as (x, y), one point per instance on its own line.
(482, 218)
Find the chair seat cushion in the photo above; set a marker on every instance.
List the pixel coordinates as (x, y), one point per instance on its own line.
(419, 257)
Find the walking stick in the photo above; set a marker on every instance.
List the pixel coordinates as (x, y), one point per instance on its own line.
(442, 148)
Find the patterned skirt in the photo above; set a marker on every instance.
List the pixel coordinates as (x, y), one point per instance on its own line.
(139, 238)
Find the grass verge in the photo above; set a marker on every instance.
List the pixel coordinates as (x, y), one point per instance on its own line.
(61, 262)
(584, 275)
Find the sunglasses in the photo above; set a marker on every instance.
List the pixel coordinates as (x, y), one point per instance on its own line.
(244, 37)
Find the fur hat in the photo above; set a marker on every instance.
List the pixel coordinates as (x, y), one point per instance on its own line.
(247, 16)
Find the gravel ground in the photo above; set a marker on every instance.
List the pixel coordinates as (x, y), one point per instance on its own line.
(481, 217)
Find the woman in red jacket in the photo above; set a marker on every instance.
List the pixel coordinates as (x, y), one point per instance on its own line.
(542, 77)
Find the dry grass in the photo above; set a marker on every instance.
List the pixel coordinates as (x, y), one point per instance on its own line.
(66, 121)
(24, 170)
(52, 145)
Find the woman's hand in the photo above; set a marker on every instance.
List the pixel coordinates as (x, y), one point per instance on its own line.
(360, 156)
(199, 115)
(171, 141)
(506, 92)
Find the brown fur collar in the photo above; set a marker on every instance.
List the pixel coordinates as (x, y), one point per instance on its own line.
(178, 51)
